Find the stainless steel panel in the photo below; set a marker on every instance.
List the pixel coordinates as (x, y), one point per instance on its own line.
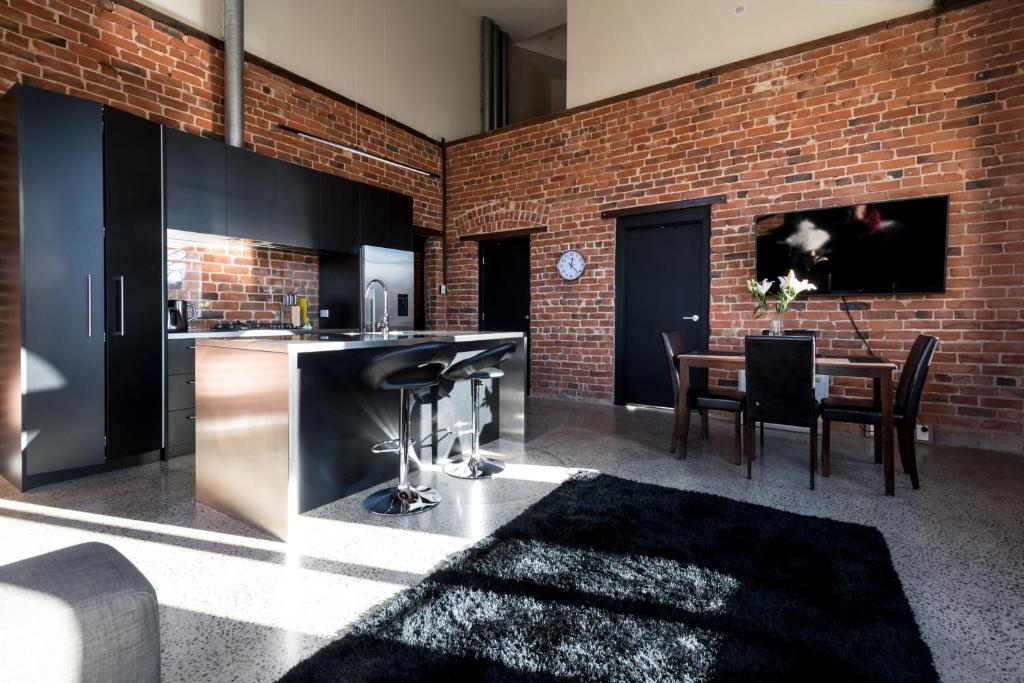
(394, 268)
(242, 436)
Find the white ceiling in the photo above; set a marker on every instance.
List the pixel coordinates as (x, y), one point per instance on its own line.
(520, 19)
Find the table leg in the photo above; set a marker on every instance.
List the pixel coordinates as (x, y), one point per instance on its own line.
(683, 408)
(887, 432)
(877, 391)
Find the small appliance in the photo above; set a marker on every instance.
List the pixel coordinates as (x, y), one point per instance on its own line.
(179, 313)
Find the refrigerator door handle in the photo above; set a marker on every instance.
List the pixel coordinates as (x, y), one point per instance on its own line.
(88, 304)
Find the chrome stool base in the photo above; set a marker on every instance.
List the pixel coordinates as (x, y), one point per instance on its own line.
(402, 500)
(389, 446)
(474, 468)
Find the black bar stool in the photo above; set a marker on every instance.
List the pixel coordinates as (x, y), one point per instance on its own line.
(482, 366)
(407, 369)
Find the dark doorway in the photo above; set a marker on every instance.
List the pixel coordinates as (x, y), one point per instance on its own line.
(662, 280)
(505, 286)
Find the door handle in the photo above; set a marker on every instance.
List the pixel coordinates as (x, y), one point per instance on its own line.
(693, 317)
(120, 305)
(88, 304)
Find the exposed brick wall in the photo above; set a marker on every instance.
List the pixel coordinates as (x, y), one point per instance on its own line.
(917, 108)
(235, 281)
(132, 62)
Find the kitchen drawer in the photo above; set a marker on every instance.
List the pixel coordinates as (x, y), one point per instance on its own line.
(181, 392)
(181, 427)
(181, 356)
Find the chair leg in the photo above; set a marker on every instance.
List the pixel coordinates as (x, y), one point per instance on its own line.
(748, 441)
(675, 431)
(738, 446)
(878, 444)
(908, 455)
(704, 424)
(685, 432)
(826, 446)
(762, 433)
(814, 450)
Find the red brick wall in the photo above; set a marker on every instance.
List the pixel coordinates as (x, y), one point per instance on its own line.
(917, 108)
(135, 63)
(236, 281)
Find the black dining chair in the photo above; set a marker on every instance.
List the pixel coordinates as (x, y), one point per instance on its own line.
(780, 388)
(699, 396)
(789, 333)
(868, 412)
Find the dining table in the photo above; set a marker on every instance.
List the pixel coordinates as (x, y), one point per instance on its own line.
(875, 368)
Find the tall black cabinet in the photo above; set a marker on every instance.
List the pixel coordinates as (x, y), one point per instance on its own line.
(57, 146)
(83, 309)
(135, 308)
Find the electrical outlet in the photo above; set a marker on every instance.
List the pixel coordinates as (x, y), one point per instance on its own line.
(444, 289)
(869, 431)
(923, 433)
(325, 313)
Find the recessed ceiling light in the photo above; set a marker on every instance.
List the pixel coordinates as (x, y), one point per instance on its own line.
(741, 10)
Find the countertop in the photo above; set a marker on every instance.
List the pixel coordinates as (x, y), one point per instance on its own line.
(231, 334)
(338, 340)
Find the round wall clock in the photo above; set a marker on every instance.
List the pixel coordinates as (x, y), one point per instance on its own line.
(571, 265)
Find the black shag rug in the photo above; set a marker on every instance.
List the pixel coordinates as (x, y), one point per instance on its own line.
(611, 580)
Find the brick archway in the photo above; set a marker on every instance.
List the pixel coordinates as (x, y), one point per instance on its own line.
(501, 216)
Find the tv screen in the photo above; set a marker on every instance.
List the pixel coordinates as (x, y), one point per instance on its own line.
(894, 247)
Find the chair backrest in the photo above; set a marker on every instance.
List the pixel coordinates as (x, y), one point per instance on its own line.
(915, 371)
(488, 358)
(672, 342)
(780, 380)
(414, 366)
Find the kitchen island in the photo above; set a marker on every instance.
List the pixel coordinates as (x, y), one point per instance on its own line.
(283, 424)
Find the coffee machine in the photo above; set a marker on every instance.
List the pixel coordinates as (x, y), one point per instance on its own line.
(179, 313)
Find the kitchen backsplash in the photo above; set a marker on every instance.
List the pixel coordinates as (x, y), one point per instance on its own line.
(229, 280)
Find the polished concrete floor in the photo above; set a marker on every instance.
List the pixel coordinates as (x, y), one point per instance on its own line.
(239, 606)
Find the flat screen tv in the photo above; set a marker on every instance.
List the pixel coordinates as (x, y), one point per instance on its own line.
(894, 247)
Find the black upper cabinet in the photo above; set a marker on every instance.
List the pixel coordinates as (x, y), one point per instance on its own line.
(399, 221)
(135, 317)
(298, 206)
(339, 223)
(251, 195)
(373, 216)
(194, 183)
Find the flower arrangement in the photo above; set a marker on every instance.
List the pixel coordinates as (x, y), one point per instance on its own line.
(790, 288)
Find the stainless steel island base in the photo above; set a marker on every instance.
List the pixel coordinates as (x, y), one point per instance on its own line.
(283, 425)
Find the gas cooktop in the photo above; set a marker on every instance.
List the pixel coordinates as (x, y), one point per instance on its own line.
(239, 325)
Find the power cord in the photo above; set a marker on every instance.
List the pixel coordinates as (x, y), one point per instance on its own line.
(856, 329)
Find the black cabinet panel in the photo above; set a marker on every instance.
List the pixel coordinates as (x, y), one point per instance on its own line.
(373, 216)
(181, 356)
(135, 306)
(195, 183)
(251, 195)
(298, 206)
(399, 221)
(339, 223)
(63, 406)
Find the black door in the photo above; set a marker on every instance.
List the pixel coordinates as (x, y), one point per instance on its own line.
(61, 152)
(195, 169)
(136, 305)
(505, 287)
(662, 282)
(251, 195)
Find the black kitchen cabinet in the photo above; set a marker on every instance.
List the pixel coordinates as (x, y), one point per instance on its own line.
(399, 221)
(252, 195)
(195, 182)
(52, 268)
(298, 206)
(134, 286)
(339, 222)
(373, 216)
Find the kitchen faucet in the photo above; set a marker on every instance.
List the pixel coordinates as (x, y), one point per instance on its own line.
(382, 324)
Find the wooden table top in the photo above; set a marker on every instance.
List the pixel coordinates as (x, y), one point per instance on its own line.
(736, 358)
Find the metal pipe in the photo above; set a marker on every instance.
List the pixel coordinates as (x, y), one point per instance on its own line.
(234, 71)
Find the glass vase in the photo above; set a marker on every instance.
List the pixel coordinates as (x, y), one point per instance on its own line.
(775, 327)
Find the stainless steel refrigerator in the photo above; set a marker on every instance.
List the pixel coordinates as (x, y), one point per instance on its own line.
(394, 268)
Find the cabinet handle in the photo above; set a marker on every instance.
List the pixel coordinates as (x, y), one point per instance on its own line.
(88, 304)
(190, 348)
(120, 305)
(190, 381)
(190, 417)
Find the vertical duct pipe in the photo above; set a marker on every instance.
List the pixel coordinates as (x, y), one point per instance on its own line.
(234, 71)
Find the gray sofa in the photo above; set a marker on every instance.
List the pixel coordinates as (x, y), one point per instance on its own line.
(80, 614)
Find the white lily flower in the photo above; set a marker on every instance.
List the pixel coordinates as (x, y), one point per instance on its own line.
(763, 286)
